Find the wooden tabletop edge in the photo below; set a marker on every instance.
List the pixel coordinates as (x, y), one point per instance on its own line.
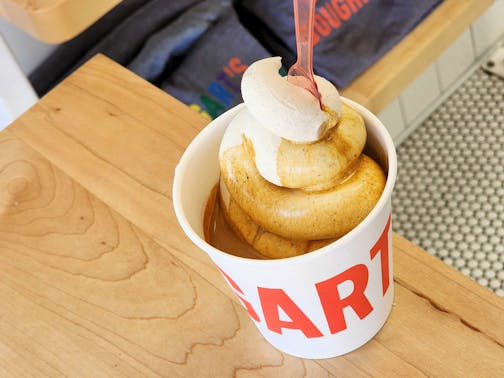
(420, 256)
(181, 109)
(54, 22)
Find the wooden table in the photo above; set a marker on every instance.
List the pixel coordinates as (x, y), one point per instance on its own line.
(97, 278)
(54, 21)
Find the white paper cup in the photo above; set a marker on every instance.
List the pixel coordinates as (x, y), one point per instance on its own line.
(318, 305)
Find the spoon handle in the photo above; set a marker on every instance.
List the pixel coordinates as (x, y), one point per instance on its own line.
(301, 73)
(303, 16)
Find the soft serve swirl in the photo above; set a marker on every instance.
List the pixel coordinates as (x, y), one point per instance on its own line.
(293, 176)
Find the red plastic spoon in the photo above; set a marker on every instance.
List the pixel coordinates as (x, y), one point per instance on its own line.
(301, 73)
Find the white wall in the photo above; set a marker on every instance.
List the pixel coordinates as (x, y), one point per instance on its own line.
(417, 101)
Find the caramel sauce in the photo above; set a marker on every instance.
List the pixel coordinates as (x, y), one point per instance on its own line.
(220, 235)
(232, 230)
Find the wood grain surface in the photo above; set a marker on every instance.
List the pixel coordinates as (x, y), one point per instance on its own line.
(97, 278)
(54, 21)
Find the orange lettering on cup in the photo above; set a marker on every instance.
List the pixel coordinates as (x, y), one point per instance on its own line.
(333, 304)
(381, 245)
(239, 294)
(272, 300)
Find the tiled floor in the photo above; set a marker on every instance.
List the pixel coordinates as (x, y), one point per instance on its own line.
(449, 196)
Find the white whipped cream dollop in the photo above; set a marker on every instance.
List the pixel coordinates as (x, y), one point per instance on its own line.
(285, 109)
(275, 109)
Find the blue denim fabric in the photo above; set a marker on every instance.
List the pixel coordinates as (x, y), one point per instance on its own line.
(176, 38)
(210, 74)
(197, 49)
(68, 54)
(357, 32)
(124, 42)
(120, 35)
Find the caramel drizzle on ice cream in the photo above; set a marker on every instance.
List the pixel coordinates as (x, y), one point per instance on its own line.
(285, 197)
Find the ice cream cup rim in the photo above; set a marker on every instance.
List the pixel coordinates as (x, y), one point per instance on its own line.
(388, 144)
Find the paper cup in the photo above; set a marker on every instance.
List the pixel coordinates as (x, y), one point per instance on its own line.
(318, 305)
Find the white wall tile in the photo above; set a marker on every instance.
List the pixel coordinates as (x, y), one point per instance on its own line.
(392, 118)
(489, 27)
(29, 51)
(424, 90)
(455, 60)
